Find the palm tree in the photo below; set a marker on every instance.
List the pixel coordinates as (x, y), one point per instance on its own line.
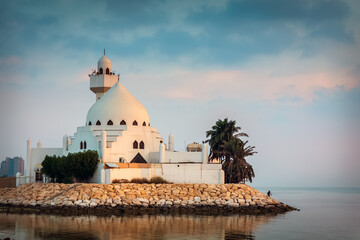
(237, 169)
(226, 145)
(221, 132)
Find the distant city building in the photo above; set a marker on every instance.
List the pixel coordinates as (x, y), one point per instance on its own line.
(11, 166)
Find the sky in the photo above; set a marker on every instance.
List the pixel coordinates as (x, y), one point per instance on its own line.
(288, 72)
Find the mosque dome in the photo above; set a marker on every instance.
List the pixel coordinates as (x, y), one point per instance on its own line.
(118, 107)
(104, 63)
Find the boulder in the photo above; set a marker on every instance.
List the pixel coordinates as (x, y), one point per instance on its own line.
(143, 200)
(93, 204)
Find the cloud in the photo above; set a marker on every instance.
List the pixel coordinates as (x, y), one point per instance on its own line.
(225, 47)
(225, 32)
(10, 61)
(288, 78)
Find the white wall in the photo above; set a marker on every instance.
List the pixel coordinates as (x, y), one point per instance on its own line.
(190, 173)
(38, 154)
(176, 173)
(154, 157)
(130, 173)
(175, 157)
(123, 145)
(96, 178)
(119, 141)
(83, 134)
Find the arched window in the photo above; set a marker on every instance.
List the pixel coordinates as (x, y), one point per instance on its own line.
(122, 122)
(85, 144)
(149, 125)
(90, 123)
(135, 123)
(135, 145)
(144, 123)
(142, 145)
(98, 123)
(109, 122)
(107, 71)
(101, 71)
(81, 145)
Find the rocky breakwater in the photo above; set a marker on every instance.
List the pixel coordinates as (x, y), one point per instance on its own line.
(117, 199)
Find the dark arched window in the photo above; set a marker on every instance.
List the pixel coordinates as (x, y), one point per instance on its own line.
(142, 145)
(144, 123)
(107, 71)
(135, 123)
(122, 122)
(85, 144)
(98, 123)
(81, 145)
(109, 122)
(90, 123)
(101, 71)
(135, 145)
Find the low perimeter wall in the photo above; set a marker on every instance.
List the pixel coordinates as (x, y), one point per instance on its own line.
(8, 182)
(172, 172)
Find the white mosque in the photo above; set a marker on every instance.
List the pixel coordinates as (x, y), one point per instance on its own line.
(118, 128)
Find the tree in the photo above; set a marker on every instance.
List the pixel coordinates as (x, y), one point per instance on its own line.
(85, 164)
(81, 165)
(65, 169)
(226, 145)
(237, 168)
(222, 131)
(48, 166)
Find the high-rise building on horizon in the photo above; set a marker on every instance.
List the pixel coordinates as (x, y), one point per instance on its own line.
(11, 166)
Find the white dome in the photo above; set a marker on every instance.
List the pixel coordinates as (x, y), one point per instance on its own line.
(117, 105)
(104, 62)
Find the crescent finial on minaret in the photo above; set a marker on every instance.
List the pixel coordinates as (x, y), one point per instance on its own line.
(104, 51)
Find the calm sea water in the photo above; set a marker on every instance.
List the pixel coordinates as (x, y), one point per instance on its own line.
(326, 213)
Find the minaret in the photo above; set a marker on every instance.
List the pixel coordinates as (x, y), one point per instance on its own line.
(102, 79)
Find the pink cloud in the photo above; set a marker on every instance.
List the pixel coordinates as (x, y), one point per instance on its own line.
(262, 85)
(83, 76)
(306, 85)
(10, 60)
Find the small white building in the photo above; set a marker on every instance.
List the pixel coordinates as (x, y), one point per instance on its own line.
(118, 128)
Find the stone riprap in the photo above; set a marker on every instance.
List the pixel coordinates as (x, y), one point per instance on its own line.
(134, 198)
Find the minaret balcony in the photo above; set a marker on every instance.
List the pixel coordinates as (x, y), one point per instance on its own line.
(103, 82)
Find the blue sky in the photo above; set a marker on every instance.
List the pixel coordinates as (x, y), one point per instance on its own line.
(287, 71)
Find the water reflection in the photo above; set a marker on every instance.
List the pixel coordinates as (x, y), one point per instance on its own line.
(17, 226)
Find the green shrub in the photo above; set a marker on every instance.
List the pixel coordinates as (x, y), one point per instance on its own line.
(157, 179)
(120, 181)
(85, 164)
(81, 165)
(139, 180)
(47, 166)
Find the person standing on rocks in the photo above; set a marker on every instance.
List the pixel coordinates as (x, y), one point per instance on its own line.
(269, 193)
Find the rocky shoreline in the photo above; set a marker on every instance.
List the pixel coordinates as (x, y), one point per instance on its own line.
(131, 198)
